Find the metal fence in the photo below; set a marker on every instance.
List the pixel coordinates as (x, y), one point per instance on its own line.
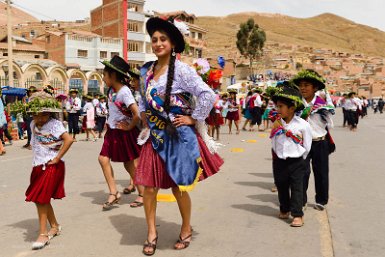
(5, 82)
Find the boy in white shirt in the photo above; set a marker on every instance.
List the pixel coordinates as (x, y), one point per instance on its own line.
(291, 143)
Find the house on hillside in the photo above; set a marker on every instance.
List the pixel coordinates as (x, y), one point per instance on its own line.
(22, 48)
(197, 38)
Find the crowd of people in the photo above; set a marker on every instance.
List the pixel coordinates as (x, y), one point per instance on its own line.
(150, 115)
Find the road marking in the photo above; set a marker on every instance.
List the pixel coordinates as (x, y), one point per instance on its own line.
(237, 150)
(251, 141)
(262, 135)
(165, 198)
(327, 249)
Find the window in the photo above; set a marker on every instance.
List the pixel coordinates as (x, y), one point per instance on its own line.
(82, 53)
(193, 34)
(37, 56)
(5, 54)
(32, 33)
(200, 36)
(114, 54)
(133, 47)
(103, 55)
(133, 7)
(133, 26)
(148, 48)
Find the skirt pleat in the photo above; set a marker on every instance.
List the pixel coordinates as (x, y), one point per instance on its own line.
(120, 145)
(151, 170)
(46, 183)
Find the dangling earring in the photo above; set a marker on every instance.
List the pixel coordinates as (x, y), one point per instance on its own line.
(173, 52)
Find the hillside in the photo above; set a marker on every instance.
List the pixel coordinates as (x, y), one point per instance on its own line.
(323, 31)
(18, 16)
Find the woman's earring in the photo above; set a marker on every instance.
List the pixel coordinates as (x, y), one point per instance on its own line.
(173, 52)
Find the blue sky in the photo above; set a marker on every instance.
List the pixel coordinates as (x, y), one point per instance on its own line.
(368, 12)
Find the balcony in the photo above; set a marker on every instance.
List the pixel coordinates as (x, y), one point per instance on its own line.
(135, 16)
(137, 36)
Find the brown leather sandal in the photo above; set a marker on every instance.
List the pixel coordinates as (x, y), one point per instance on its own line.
(108, 205)
(151, 246)
(182, 242)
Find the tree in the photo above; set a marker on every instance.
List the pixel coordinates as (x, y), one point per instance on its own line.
(250, 41)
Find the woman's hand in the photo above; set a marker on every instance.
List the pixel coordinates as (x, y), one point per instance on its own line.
(183, 120)
(124, 125)
(54, 161)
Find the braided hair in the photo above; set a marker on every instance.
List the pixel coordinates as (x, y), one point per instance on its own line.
(170, 128)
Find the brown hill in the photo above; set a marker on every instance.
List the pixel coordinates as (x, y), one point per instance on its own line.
(18, 16)
(323, 31)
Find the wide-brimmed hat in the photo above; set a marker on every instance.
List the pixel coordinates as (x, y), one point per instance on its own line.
(74, 90)
(135, 73)
(49, 89)
(102, 97)
(32, 89)
(232, 91)
(288, 91)
(311, 76)
(170, 27)
(118, 64)
(43, 102)
(256, 90)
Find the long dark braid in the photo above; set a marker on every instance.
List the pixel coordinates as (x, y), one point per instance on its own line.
(170, 128)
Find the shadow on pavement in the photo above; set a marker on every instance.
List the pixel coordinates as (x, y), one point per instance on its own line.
(258, 209)
(134, 231)
(100, 197)
(31, 226)
(261, 184)
(262, 175)
(266, 198)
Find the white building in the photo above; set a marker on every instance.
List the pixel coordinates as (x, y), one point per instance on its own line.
(139, 44)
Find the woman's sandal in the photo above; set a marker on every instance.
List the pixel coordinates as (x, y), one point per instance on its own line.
(40, 245)
(108, 205)
(129, 190)
(151, 246)
(183, 242)
(57, 232)
(136, 204)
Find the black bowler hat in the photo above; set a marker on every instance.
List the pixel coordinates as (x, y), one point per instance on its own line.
(118, 64)
(289, 92)
(168, 26)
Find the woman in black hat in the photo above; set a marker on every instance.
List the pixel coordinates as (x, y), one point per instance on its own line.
(174, 121)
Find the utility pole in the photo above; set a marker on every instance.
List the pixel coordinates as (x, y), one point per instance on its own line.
(10, 51)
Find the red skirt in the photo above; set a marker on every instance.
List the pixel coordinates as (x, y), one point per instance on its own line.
(151, 170)
(215, 120)
(233, 115)
(46, 184)
(120, 145)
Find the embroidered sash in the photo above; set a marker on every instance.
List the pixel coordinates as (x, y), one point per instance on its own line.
(279, 130)
(319, 106)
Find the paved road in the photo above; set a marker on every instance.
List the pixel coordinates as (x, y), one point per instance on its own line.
(234, 212)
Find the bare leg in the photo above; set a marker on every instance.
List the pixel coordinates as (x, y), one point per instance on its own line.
(230, 125)
(92, 132)
(130, 168)
(184, 204)
(217, 128)
(149, 200)
(245, 124)
(108, 173)
(42, 211)
(236, 123)
(52, 221)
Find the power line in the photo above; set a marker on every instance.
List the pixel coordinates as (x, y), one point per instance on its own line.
(32, 11)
